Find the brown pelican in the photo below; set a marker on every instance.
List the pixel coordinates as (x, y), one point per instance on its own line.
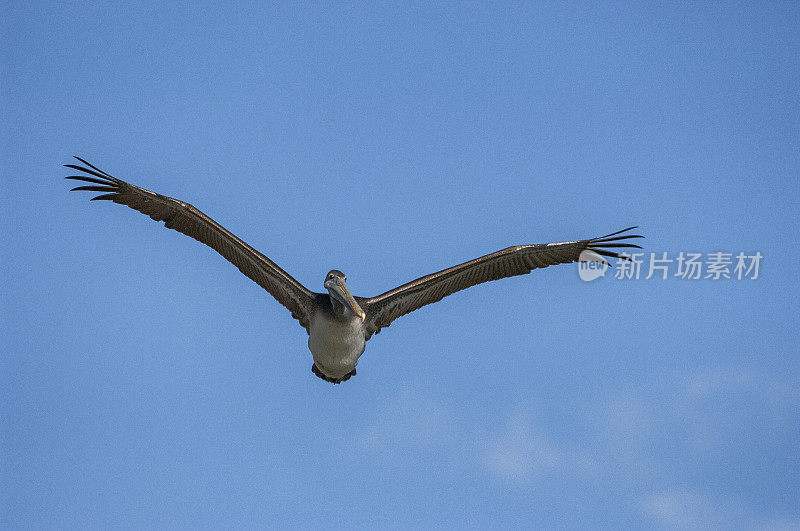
(339, 324)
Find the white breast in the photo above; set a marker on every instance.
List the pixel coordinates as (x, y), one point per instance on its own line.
(336, 345)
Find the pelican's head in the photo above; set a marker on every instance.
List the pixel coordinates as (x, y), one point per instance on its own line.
(335, 283)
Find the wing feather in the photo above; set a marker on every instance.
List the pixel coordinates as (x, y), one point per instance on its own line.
(517, 260)
(188, 220)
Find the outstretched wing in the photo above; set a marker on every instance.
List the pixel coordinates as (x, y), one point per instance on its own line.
(518, 260)
(188, 220)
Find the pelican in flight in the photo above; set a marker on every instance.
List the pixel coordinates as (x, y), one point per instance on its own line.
(338, 323)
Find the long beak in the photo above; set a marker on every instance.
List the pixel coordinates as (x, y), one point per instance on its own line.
(343, 294)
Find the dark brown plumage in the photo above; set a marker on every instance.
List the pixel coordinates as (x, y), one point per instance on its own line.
(188, 220)
(339, 324)
(509, 262)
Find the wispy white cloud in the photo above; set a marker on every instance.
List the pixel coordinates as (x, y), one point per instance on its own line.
(627, 428)
(687, 509)
(719, 409)
(690, 509)
(410, 419)
(625, 421)
(777, 524)
(773, 388)
(732, 403)
(518, 453)
(717, 414)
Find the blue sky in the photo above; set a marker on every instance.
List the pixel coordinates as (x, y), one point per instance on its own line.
(147, 383)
